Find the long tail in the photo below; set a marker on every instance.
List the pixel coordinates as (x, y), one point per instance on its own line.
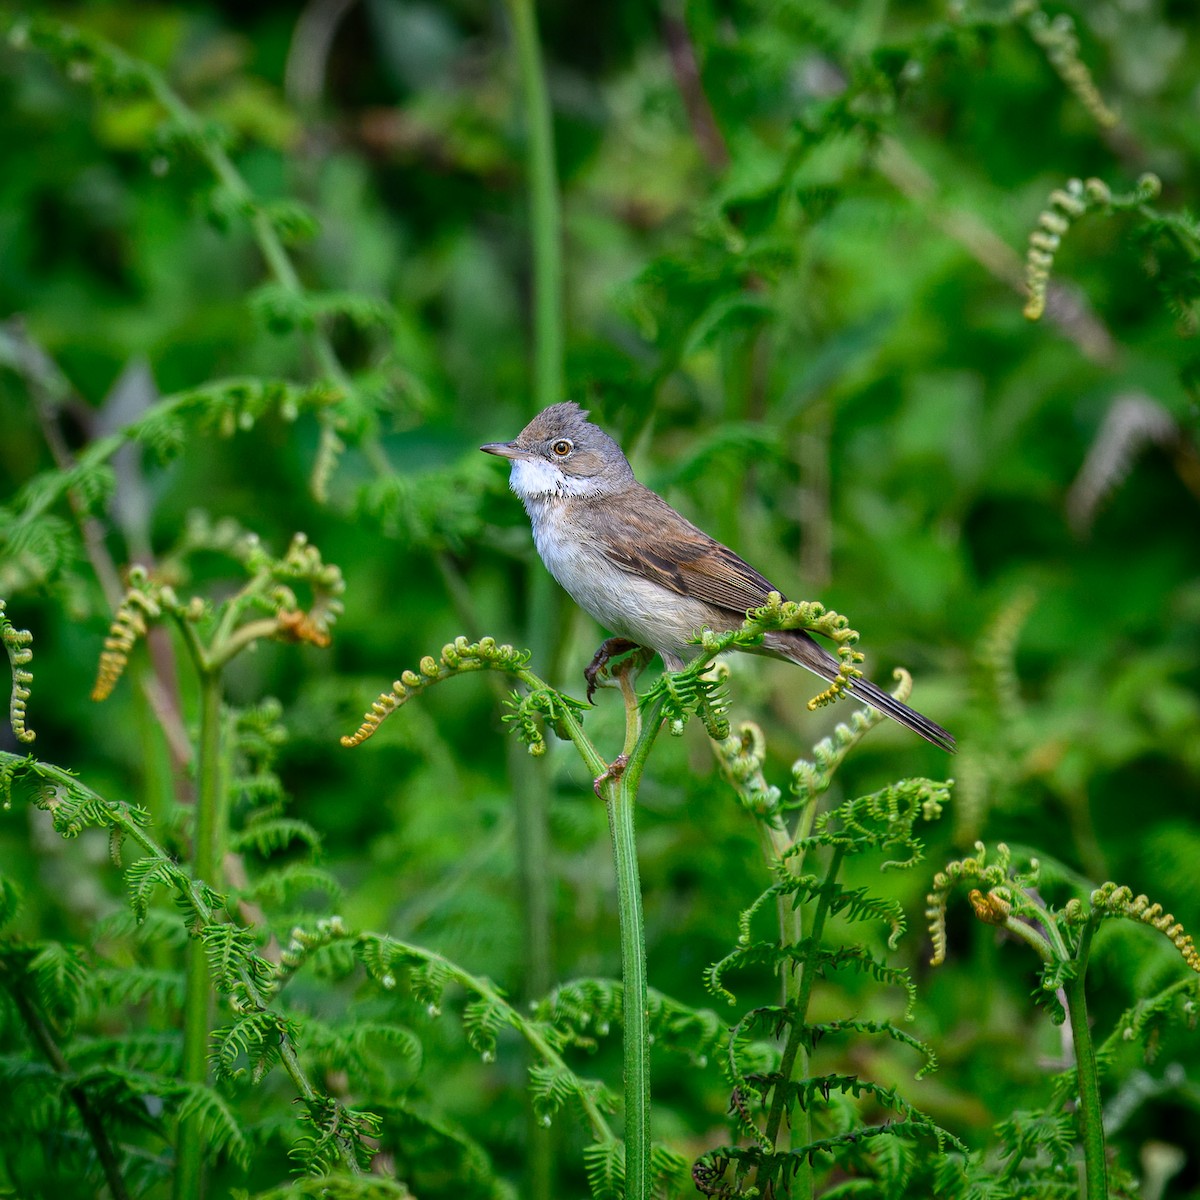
(796, 646)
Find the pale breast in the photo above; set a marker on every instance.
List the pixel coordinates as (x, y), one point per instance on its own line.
(625, 604)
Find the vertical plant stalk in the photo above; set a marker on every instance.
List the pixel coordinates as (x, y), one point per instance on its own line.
(620, 799)
(1091, 1115)
(207, 839)
(532, 790)
(544, 210)
(633, 976)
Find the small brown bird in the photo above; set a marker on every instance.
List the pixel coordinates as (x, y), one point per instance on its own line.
(643, 571)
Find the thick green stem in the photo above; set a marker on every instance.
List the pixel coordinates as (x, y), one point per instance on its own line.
(620, 795)
(633, 976)
(207, 842)
(1091, 1115)
(544, 210)
(532, 792)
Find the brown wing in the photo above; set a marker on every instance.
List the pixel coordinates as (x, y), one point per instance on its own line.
(642, 534)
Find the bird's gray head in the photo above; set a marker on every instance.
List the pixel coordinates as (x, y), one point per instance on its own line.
(561, 453)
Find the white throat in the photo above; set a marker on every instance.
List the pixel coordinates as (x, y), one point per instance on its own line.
(538, 479)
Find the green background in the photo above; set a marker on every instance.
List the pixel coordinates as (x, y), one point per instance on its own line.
(792, 292)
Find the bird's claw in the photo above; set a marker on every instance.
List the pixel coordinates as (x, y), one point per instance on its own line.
(609, 649)
(614, 770)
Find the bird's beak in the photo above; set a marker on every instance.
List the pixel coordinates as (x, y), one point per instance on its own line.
(505, 450)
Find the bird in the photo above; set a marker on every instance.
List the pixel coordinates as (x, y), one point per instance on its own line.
(640, 568)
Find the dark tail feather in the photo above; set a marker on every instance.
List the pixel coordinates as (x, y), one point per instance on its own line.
(802, 650)
(876, 697)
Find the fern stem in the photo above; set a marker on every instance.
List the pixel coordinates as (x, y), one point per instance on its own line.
(620, 798)
(620, 802)
(544, 210)
(794, 1051)
(532, 799)
(44, 1037)
(1091, 1115)
(791, 930)
(531, 809)
(207, 841)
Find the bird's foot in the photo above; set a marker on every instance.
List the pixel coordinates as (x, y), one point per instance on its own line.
(614, 770)
(609, 649)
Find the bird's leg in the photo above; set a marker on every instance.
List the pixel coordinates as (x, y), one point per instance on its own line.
(614, 770)
(609, 649)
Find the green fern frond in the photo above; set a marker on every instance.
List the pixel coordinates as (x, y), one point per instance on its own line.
(604, 1163)
(437, 509)
(232, 956)
(91, 480)
(268, 835)
(282, 309)
(140, 606)
(741, 758)
(456, 658)
(812, 956)
(812, 777)
(781, 1016)
(882, 820)
(306, 944)
(156, 927)
(1113, 900)
(428, 980)
(424, 1140)
(1179, 1002)
(696, 1032)
(334, 1125)
(286, 885)
(259, 790)
(776, 1166)
(696, 690)
(38, 549)
(1057, 37)
(995, 652)
(254, 1037)
(526, 712)
(133, 984)
(1067, 205)
(855, 904)
(669, 1170)
(62, 981)
(16, 645)
(147, 1053)
(360, 1047)
(1038, 1134)
(221, 1132)
(583, 1007)
(143, 876)
(483, 1019)
(553, 1085)
(34, 1094)
(397, 1038)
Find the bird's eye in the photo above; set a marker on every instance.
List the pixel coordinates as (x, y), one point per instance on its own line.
(563, 447)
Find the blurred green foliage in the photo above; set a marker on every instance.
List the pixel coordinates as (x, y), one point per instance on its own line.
(794, 241)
